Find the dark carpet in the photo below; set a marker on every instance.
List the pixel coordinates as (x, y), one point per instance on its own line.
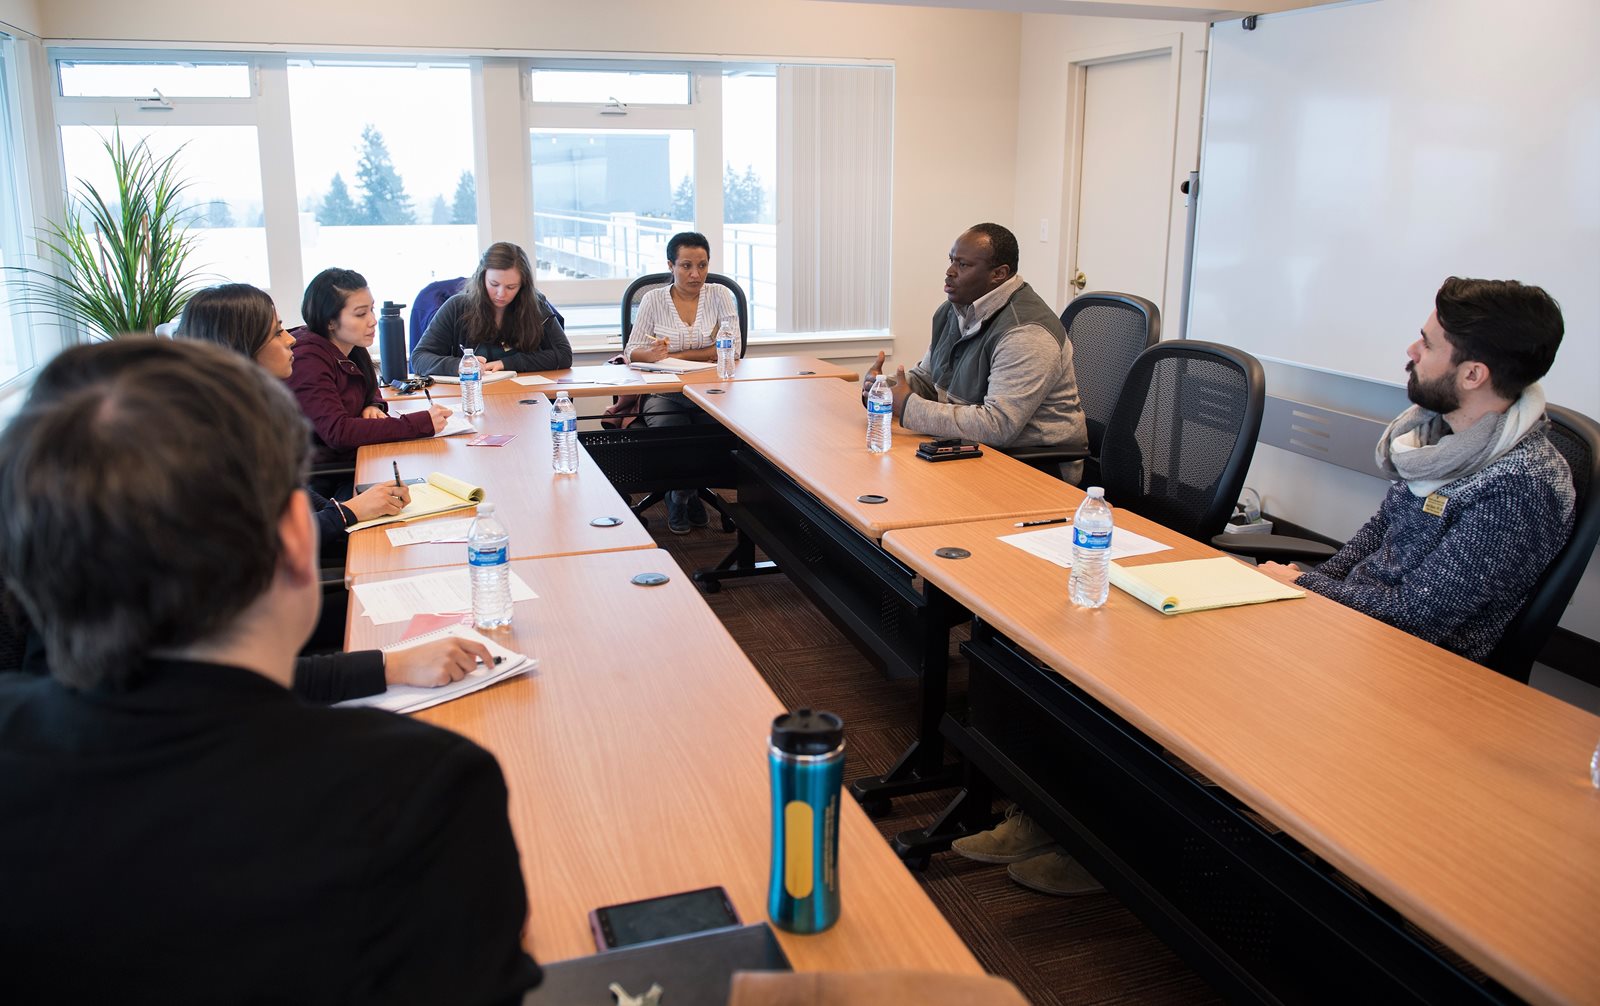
(1085, 949)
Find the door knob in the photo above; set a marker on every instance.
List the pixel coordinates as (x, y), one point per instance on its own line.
(1079, 281)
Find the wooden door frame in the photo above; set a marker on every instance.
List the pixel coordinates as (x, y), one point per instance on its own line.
(1078, 63)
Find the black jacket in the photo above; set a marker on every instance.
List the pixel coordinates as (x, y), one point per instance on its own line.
(206, 837)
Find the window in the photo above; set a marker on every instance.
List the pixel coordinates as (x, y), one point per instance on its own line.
(16, 349)
(626, 87)
(750, 189)
(105, 79)
(383, 166)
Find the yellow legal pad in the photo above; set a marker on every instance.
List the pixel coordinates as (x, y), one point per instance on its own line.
(440, 494)
(1199, 584)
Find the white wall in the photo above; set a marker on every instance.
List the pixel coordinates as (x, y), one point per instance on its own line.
(1044, 128)
(21, 14)
(955, 91)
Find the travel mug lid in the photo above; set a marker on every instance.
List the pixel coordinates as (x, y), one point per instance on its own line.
(807, 732)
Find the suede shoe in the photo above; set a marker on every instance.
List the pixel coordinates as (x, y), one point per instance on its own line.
(697, 510)
(678, 511)
(1012, 840)
(1054, 872)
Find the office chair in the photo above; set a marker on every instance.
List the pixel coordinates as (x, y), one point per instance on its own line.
(1107, 331)
(1180, 440)
(654, 472)
(1577, 438)
(426, 304)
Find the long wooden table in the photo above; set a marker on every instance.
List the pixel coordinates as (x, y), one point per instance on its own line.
(640, 769)
(606, 379)
(1459, 797)
(547, 514)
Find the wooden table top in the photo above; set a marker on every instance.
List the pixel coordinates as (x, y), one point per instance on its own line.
(816, 432)
(640, 770)
(547, 514)
(608, 379)
(1458, 796)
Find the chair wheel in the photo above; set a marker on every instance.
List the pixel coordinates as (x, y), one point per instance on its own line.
(917, 864)
(876, 806)
(711, 586)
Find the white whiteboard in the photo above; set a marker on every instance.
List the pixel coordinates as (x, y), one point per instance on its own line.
(1355, 156)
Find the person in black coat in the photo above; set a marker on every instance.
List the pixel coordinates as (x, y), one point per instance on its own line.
(175, 826)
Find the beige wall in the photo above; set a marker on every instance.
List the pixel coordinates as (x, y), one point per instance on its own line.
(955, 129)
(1045, 124)
(22, 14)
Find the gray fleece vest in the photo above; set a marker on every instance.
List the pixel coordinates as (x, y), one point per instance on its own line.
(961, 366)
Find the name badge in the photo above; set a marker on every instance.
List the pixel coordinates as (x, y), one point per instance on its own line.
(1434, 504)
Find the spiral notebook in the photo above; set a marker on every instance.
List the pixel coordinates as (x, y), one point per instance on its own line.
(412, 698)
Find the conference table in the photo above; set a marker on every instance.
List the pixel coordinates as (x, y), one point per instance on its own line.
(635, 756)
(1457, 796)
(1300, 798)
(547, 514)
(607, 379)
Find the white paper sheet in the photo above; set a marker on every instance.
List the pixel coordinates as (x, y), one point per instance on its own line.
(456, 424)
(531, 380)
(412, 698)
(388, 601)
(430, 531)
(1055, 544)
(657, 378)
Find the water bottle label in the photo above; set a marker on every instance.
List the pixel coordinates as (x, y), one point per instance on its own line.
(880, 408)
(477, 555)
(1091, 539)
(725, 343)
(563, 425)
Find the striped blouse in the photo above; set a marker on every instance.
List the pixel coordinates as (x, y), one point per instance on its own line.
(658, 318)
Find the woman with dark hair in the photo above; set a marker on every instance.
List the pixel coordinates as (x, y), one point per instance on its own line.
(333, 376)
(682, 320)
(244, 319)
(508, 324)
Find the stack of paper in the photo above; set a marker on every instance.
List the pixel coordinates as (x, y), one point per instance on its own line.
(434, 531)
(411, 698)
(488, 378)
(1055, 544)
(397, 600)
(671, 365)
(1199, 584)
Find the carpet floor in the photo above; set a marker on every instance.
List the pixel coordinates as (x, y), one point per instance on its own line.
(1087, 949)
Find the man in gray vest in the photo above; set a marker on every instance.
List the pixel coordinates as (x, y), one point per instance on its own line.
(999, 368)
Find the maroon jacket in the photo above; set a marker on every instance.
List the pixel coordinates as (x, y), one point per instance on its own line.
(332, 395)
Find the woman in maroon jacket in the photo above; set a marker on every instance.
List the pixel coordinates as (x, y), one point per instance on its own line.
(333, 374)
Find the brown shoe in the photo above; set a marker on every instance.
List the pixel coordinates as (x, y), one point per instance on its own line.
(1011, 841)
(1054, 872)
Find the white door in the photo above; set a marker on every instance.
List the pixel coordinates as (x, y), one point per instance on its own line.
(1125, 173)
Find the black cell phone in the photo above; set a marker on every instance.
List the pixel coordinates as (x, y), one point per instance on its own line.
(948, 450)
(662, 918)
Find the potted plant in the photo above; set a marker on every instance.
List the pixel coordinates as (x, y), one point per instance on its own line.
(124, 261)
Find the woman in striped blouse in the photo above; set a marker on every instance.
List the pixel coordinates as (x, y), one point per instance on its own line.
(682, 321)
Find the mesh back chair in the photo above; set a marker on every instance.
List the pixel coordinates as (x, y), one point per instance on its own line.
(1107, 331)
(683, 452)
(1180, 440)
(644, 284)
(1577, 437)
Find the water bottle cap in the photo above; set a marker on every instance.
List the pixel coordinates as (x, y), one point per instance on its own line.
(485, 508)
(390, 309)
(1096, 492)
(807, 732)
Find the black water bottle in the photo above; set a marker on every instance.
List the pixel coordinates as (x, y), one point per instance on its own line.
(392, 343)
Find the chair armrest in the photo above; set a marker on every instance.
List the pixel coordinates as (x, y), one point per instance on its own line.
(1059, 455)
(1275, 547)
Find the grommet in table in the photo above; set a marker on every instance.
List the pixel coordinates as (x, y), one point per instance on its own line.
(871, 498)
(807, 373)
(951, 552)
(651, 579)
(605, 522)
(716, 391)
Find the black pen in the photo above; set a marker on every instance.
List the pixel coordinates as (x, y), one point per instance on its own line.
(429, 396)
(397, 483)
(1040, 523)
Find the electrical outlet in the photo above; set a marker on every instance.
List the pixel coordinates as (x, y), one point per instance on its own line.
(1044, 228)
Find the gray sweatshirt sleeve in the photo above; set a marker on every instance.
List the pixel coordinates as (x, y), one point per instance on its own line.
(1027, 366)
(438, 352)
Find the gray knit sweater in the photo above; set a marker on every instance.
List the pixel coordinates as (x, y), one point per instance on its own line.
(1458, 578)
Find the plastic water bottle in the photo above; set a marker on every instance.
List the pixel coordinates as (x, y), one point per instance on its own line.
(1091, 551)
(564, 436)
(488, 558)
(725, 357)
(880, 416)
(471, 374)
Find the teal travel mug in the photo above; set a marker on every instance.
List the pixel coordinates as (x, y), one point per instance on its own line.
(806, 756)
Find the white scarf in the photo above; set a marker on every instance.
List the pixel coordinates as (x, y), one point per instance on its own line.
(1420, 448)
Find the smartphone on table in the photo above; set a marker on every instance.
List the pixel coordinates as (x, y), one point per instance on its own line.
(661, 918)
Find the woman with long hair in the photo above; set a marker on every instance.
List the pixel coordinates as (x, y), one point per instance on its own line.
(334, 378)
(498, 313)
